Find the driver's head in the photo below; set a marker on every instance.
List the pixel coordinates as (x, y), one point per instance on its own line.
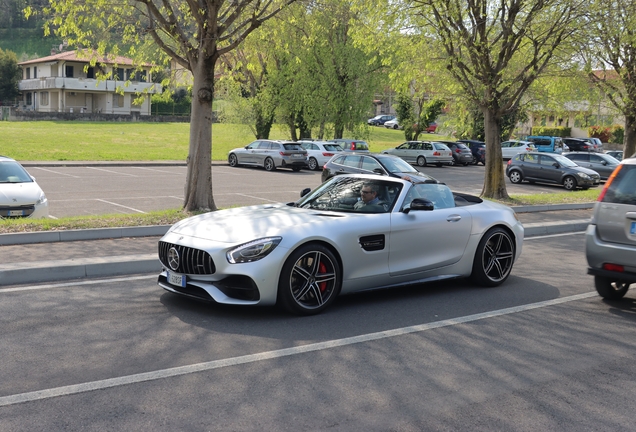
(369, 191)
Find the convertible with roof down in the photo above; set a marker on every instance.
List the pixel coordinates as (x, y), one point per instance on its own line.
(352, 233)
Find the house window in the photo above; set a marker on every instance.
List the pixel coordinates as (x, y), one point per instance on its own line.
(35, 72)
(28, 73)
(44, 98)
(136, 101)
(118, 101)
(29, 98)
(90, 72)
(69, 71)
(120, 74)
(138, 76)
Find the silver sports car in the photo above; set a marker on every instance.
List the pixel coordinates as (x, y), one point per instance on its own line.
(352, 233)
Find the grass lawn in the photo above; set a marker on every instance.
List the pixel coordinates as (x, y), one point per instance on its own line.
(110, 141)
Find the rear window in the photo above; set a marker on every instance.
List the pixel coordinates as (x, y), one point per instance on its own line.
(440, 146)
(360, 145)
(622, 190)
(332, 147)
(292, 147)
(461, 146)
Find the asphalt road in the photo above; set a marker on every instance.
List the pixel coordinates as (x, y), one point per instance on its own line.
(87, 190)
(542, 352)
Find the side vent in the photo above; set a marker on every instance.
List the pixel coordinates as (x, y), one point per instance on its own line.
(372, 243)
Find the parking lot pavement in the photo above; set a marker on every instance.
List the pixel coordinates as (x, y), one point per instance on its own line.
(53, 256)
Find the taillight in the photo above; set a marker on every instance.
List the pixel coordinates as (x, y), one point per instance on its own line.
(608, 183)
(436, 153)
(613, 267)
(327, 154)
(283, 154)
(353, 146)
(458, 151)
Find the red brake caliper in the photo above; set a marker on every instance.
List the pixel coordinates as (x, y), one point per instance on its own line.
(322, 268)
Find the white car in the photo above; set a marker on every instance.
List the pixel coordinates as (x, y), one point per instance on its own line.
(355, 232)
(510, 148)
(319, 153)
(423, 153)
(392, 124)
(20, 195)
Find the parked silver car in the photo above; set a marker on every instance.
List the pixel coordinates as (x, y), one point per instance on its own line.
(602, 163)
(319, 153)
(423, 153)
(270, 155)
(610, 245)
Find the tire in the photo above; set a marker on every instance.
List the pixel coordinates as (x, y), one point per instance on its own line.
(453, 163)
(610, 290)
(312, 164)
(515, 176)
(395, 126)
(296, 168)
(269, 164)
(309, 281)
(465, 164)
(438, 164)
(569, 183)
(475, 161)
(232, 160)
(494, 258)
(421, 161)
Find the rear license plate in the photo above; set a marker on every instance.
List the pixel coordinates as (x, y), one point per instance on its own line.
(16, 212)
(632, 230)
(297, 156)
(177, 279)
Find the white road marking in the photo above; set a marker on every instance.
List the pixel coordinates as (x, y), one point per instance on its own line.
(158, 170)
(252, 196)
(268, 355)
(72, 284)
(54, 172)
(554, 235)
(110, 171)
(119, 205)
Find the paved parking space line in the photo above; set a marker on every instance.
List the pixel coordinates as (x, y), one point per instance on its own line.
(119, 205)
(159, 171)
(110, 171)
(255, 197)
(268, 355)
(52, 171)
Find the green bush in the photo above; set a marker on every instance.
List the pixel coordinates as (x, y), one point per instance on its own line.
(552, 131)
(617, 134)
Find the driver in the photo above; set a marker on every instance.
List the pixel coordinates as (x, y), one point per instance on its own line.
(369, 200)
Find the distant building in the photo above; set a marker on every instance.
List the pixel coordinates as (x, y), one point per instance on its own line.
(66, 82)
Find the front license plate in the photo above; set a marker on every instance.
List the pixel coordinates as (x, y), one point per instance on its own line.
(632, 230)
(16, 212)
(177, 279)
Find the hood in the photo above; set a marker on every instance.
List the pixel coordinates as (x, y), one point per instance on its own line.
(248, 223)
(587, 171)
(19, 194)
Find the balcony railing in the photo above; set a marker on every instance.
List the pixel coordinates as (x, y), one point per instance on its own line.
(86, 85)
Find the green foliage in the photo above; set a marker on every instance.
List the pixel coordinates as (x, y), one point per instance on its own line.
(178, 103)
(617, 134)
(429, 112)
(405, 116)
(556, 131)
(10, 74)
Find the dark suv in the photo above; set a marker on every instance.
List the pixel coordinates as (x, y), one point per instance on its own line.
(575, 144)
(550, 168)
(478, 148)
(610, 240)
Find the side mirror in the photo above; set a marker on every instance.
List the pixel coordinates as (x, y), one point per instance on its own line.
(304, 192)
(604, 162)
(420, 204)
(556, 165)
(379, 171)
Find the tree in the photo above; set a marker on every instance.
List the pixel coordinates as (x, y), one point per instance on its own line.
(611, 59)
(495, 50)
(10, 74)
(193, 34)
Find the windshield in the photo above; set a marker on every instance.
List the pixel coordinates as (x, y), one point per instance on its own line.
(397, 165)
(12, 172)
(347, 194)
(563, 161)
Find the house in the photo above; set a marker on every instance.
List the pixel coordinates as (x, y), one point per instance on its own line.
(67, 82)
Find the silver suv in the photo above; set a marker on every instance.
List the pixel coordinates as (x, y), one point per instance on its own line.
(269, 154)
(610, 245)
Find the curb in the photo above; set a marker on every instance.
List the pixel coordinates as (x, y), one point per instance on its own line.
(86, 234)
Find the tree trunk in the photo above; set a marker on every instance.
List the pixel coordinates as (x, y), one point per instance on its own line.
(198, 187)
(629, 143)
(494, 179)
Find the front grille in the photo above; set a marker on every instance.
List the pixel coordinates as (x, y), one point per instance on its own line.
(17, 211)
(191, 260)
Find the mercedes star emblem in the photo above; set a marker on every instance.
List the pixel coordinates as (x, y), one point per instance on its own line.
(173, 258)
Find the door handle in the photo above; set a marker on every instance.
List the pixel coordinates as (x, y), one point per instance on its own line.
(454, 218)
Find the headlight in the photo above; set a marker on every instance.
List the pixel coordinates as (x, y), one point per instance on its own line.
(41, 200)
(584, 176)
(253, 251)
